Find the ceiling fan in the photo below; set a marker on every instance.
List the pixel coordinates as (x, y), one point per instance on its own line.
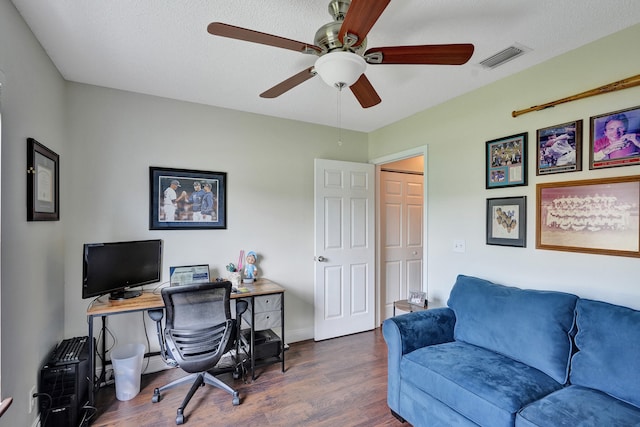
(341, 49)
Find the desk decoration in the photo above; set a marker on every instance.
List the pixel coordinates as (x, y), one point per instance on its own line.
(506, 161)
(598, 216)
(614, 139)
(418, 298)
(43, 183)
(559, 148)
(507, 221)
(182, 199)
(250, 269)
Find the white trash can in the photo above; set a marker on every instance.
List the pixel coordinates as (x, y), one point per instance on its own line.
(127, 368)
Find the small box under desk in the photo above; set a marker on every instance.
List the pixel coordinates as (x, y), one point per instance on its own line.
(267, 343)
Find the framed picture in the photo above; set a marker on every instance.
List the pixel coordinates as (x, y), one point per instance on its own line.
(187, 199)
(559, 148)
(43, 183)
(615, 139)
(418, 298)
(598, 216)
(507, 221)
(506, 161)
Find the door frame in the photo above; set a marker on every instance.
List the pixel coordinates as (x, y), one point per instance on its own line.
(379, 161)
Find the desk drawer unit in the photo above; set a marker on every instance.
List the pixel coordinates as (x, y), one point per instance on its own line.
(267, 314)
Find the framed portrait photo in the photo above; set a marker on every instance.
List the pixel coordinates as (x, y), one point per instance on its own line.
(598, 216)
(418, 298)
(187, 199)
(43, 183)
(507, 221)
(559, 148)
(506, 161)
(614, 139)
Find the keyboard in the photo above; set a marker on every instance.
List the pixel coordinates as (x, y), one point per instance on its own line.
(69, 350)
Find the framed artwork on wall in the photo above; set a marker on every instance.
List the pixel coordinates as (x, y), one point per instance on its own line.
(559, 148)
(507, 221)
(614, 139)
(506, 161)
(598, 216)
(187, 199)
(43, 183)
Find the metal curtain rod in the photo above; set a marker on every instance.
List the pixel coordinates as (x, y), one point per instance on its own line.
(611, 87)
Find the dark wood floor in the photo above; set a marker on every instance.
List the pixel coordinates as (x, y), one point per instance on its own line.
(342, 381)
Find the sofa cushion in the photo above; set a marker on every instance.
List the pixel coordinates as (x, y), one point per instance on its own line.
(576, 406)
(608, 341)
(485, 387)
(530, 326)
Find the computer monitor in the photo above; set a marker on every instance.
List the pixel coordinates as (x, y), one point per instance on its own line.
(188, 274)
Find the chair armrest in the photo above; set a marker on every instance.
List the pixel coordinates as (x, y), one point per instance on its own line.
(406, 333)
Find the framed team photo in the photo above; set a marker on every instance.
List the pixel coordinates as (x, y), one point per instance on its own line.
(187, 199)
(614, 139)
(597, 216)
(506, 161)
(559, 148)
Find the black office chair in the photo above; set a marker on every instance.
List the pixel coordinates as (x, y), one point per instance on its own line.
(198, 331)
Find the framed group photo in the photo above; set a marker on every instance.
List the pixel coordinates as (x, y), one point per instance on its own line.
(614, 139)
(506, 161)
(559, 148)
(598, 216)
(507, 221)
(187, 199)
(43, 183)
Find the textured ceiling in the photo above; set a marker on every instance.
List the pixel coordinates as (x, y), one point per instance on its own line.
(162, 47)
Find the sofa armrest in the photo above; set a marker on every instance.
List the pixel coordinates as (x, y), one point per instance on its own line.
(406, 333)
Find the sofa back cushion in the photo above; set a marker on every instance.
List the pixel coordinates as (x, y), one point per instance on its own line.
(529, 326)
(608, 357)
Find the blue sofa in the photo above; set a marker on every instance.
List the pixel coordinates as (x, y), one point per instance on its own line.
(503, 356)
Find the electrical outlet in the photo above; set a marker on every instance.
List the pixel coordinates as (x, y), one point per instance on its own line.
(32, 400)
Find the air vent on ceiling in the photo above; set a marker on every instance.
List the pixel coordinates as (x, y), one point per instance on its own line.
(504, 56)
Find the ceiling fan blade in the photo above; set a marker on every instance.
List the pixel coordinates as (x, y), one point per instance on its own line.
(233, 32)
(361, 16)
(288, 84)
(365, 93)
(442, 54)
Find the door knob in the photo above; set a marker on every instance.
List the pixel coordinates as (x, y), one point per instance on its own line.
(320, 258)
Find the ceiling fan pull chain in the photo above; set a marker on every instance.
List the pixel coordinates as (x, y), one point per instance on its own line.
(339, 109)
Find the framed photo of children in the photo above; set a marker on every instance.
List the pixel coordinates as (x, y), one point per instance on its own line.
(507, 221)
(597, 216)
(615, 139)
(559, 148)
(506, 161)
(187, 199)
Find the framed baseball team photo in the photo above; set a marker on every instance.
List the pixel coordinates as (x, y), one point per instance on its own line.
(614, 139)
(559, 148)
(187, 199)
(506, 161)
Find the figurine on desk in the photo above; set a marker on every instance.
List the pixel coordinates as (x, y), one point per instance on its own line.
(250, 269)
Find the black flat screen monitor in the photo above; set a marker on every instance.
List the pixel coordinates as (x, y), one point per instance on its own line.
(114, 267)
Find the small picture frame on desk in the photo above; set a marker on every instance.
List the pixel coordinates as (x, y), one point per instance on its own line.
(418, 298)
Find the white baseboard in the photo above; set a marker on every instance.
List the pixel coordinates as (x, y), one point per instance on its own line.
(296, 335)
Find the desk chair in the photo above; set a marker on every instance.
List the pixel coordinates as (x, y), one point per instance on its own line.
(198, 331)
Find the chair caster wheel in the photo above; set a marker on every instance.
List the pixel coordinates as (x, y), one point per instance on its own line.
(180, 419)
(236, 399)
(156, 396)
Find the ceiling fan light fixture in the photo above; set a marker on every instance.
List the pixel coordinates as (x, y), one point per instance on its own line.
(340, 69)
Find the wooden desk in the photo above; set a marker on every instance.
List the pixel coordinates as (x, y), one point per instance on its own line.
(103, 307)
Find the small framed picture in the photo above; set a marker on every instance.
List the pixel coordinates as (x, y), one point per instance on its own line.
(614, 139)
(43, 183)
(418, 298)
(507, 221)
(559, 148)
(506, 161)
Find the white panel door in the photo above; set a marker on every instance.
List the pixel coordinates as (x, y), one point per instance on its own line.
(344, 288)
(401, 236)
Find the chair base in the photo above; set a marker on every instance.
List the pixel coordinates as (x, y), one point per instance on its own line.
(198, 379)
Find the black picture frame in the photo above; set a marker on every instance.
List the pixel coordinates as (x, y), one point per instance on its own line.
(559, 148)
(210, 211)
(43, 183)
(506, 161)
(600, 146)
(507, 221)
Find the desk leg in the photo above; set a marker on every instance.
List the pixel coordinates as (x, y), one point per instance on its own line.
(92, 362)
(253, 339)
(282, 328)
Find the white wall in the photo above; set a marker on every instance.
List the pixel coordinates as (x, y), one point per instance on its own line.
(115, 136)
(456, 132)
(33, 105)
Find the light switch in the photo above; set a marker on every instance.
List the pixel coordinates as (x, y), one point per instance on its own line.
(458, 246)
